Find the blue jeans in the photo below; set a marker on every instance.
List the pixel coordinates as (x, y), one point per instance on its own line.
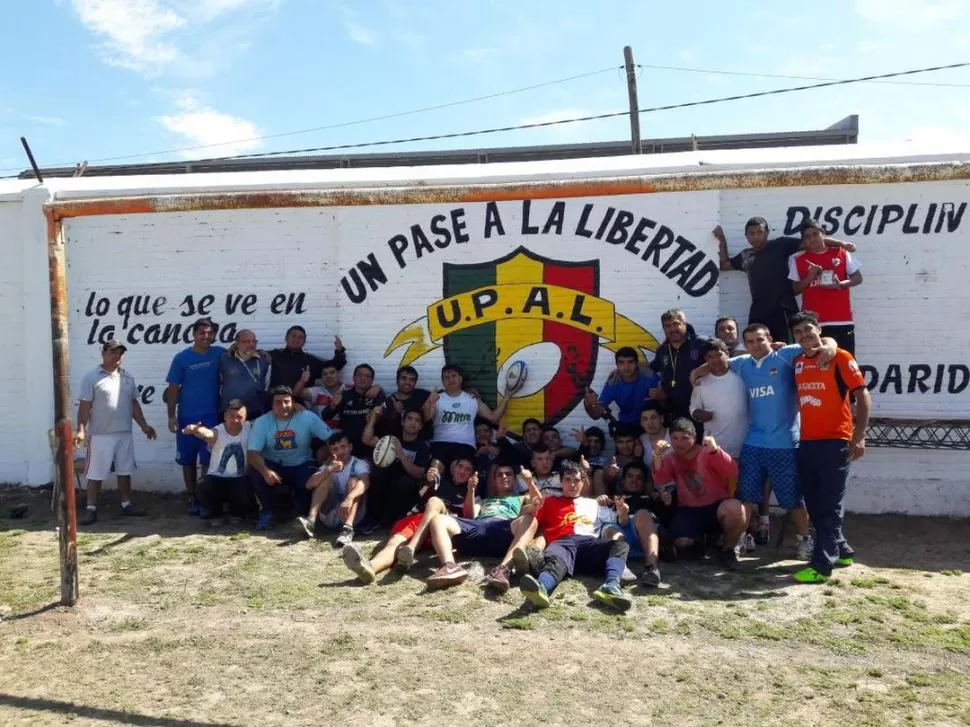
(294, 477)
(823, 468)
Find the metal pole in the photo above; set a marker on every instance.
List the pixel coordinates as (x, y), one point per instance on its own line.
(30, 156)
(631, 86)
(64, 431)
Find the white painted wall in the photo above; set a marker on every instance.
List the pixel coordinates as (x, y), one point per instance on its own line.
(909, 280)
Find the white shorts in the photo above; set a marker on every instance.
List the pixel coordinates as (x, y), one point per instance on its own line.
(107, 449)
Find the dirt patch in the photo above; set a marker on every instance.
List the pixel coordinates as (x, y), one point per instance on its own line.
(179, 626)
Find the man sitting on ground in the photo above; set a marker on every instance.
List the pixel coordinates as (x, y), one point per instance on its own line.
(706, 478)
(493, 532)
(394, 489)
(338, 492)
(629, 516)
(569, 524)
(280, 453)
(452, 494)
(226, 482)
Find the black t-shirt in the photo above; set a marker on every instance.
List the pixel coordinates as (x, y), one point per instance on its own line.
(768, 275)
(391, 421)
(353, 410)
(288, 366)
(674, 368)
(637, 501)
(452, 495)
(419, 451)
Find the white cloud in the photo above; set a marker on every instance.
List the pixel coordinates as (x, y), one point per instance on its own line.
(150, 36)
(557, 115)
(202, 126)
(45, 120)
(355, 31)
(910, 13)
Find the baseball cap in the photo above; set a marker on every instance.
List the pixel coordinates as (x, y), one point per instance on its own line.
(113, 344)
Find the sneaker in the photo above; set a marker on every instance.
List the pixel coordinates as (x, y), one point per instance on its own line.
(305, 525)
(90, 517)
(195, 507)
(846, 558)
(809, 575)
(534, 591)
(628, 576)
(498, 578)
(130, 510)
(729, 559)
(450, 574)
(762, 536)
(265, 520)
(404, 558)
(527, 561)
(355, 559)
(748, 544)
(804, 546)
(651, 576)
(610, 594)
(346, 536)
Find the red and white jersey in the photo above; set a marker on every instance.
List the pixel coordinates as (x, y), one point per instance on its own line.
(832, 307)
(562, 516)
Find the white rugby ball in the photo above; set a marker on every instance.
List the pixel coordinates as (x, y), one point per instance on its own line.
(384, 454)
(539, 362)
(516, 377)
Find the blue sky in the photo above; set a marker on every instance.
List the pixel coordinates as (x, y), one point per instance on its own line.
(91, 79)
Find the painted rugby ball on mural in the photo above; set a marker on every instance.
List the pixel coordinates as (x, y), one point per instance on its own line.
(529, 369)
(384, 454)
(516, 377)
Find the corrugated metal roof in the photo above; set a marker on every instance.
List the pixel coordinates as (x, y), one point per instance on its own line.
(845, 131)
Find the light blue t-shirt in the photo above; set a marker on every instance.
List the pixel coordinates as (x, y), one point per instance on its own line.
(772, 406)
(198, 376)
(629, 396)
(287, 441)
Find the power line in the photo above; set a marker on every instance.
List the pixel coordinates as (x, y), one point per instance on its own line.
(591, 117)
(796, 78)
(343, 124)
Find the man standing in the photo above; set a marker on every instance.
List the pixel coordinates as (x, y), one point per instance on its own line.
(823, 277)
(408, 397)
(192, 397)
(830, 440)
(280, 453)
(680, 354)
(630, 390)
(244, 373)
(289, 362)
(109, 402)
(354, 405)
(726, 328)
(720, 400)
(766, 264)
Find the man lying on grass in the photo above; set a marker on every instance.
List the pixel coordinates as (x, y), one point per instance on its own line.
(570, 524)
(494, 530)
(453, 493)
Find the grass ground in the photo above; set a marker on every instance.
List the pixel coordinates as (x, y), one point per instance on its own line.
(177, 627)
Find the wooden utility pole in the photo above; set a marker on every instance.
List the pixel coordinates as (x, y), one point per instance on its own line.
(631, 85)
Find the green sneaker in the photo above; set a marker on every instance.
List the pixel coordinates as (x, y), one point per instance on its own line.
(534, 591)
(845, 561)
(809, 575)
(610, 594)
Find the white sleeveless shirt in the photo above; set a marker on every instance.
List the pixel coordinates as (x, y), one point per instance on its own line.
(455, 419)
(228, 457)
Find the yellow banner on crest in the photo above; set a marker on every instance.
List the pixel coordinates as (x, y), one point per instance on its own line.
(492, 303)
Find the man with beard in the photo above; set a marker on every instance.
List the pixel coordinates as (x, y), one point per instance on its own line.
(408, 397)
(244, 373)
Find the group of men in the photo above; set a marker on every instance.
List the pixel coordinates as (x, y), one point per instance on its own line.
(697, 437)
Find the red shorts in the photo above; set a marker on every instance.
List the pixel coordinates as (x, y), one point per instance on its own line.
(407, 526)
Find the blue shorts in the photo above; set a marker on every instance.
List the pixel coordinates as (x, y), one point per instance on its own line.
(694, 522)
(759, 464)
(489, 538)
(191, 450)
(630, 534)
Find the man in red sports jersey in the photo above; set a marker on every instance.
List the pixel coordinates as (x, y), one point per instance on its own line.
(830, 440)
(822, 276)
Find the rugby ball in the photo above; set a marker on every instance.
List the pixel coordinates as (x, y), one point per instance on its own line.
(515, 377)
(384, 454)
